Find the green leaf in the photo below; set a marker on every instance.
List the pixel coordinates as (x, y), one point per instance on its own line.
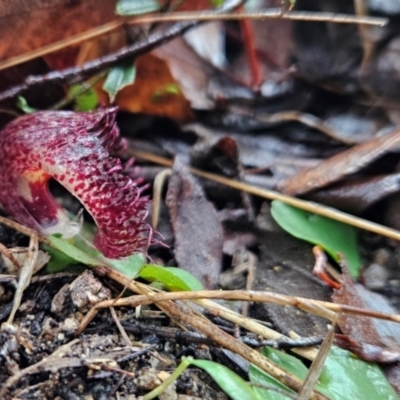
(287, 362)
(130, 266)
(74, 252)
(347, 377)
(118, 77)
(85, 97)
(171, 278)
(77, 250)
(333, 236)
(23, 105)
(261, 378)
(58, 259)
(231, 383)
(343, 377)
(136, 7)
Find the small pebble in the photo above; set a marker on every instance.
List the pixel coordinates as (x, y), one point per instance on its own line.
(375, 277)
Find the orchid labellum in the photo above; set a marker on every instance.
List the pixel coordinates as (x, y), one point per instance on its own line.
(73, 149)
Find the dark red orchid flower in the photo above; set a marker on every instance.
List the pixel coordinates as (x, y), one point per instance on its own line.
(74, 149)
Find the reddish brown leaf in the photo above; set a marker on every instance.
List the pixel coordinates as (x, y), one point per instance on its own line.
(148, 95)
(33, 24)
(341, 165)
(371, 339)
(198, 233)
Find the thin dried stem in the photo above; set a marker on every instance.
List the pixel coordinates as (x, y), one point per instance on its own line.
(271, 13)
(310, 305)
(121, 329)
(7, 253)
(309, 206)
(318, 364)
(184, 315)
(275, 13)
(251, 325)
(25, 275)
(78, 73)
(24, 230)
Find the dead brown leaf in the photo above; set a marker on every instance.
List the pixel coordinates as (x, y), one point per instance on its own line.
(149, 93)
(341, 165)
(370, 339)
(198, 233)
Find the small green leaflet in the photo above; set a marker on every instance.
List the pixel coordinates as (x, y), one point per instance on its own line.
(129, 267)
(85, 97)
(333, 236)
(343, 377)
(23, 105)
(171, 278)
(230, 382)
(136, 7)
(118, 77)
(75, 250)
(58, 259)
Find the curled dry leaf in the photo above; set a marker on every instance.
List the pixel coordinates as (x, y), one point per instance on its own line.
(341, 165)
(198, 233)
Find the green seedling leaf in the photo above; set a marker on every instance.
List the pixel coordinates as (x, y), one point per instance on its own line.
(343, 377)
(130, 266)
(74, 252)
(136, 7)
(288, 363)
(118, 77)
(77, 250)
(58, 260)
(266, 385)
(334, 237)
(231, 383)
(85, 97)
(171, 278)
(23, 105)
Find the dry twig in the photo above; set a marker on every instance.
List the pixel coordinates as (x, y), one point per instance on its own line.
(176, 312)
(272, 195)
